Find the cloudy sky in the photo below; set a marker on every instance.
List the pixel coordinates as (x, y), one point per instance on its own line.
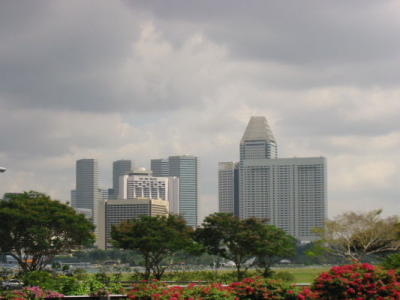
(148, 79)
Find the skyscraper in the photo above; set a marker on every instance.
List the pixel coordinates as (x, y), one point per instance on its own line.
(117, 211)
(120, 167)
(87, 184)
(141, 184)
(287, 192)
(88, 196)
(228, 187)
(159, 167)
(186, 168)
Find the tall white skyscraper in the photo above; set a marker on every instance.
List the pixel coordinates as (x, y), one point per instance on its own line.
(228, 187)
(290, 193)
(120, 168)
(185, 167)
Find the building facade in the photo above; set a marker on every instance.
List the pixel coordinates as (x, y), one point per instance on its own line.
(87, 184)
(159, 167)
(88, 195)
(290, 193)
(258, 141)
(120, 168)
(117, 211)
(228, 187)
(186, 168)
(141, 184)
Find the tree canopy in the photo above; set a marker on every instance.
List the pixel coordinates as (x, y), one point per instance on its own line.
(155, 238)
(356, 236)
(241, 241)
(35, 228)
(273, 245)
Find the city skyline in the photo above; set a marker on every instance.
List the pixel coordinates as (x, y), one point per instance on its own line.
(143, 80)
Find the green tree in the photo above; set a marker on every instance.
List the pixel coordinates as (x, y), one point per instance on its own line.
(355, 236)
(34, 228)
(155, 238)
(229, 237)
(272, 245)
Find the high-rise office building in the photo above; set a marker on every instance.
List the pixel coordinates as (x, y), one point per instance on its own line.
(185, 167)
(141, 184)
(287, 192)
(120, 168)
(87, 184)
(228, 187)
(119, 210)
(258, 141)
(159, 167)
(87, 194)
(173, 194)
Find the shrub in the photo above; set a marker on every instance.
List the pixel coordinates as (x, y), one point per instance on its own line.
(249, 288)
(392, 261)
(260, 288)
(31, 293)
(284, 276)
(356, 281)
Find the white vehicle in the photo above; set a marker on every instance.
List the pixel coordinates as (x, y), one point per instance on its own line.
(2, 170)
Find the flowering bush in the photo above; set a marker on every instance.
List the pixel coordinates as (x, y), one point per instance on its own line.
(356, 281)
(160, 291)
(249, 288)
(260, 288)
(31, 293)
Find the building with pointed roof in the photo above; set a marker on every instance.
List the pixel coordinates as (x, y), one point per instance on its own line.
(289, 193)
(258, 142)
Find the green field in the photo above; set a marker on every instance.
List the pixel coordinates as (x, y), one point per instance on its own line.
(305, 274)
(300, 274)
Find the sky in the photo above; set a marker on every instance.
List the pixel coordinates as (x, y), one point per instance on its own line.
(149, 79)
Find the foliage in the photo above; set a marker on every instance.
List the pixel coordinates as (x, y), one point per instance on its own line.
(159, 291)
(356, 281)
(248, 288)
(240, 241)
(284, 276)
(31, 293)
(358, 235)
(392, 261)
(155, 238)
(34, 228)
(260, 288)
(272, 245)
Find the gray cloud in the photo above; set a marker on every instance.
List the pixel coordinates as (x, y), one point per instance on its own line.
(140, 79)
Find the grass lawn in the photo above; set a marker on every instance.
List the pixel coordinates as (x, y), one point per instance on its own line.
(301, 275)
(305, 274)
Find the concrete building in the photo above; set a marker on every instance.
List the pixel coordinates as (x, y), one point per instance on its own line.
(88, 196)
(159, 167)
(120, 168)
(141, 184)
(185, 167)
(87, 184)
(117, 211)
(290, 193)
(173, 194)
(228, 187)
(258, 141)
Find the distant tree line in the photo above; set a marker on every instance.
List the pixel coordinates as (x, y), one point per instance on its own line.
(34, 229)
